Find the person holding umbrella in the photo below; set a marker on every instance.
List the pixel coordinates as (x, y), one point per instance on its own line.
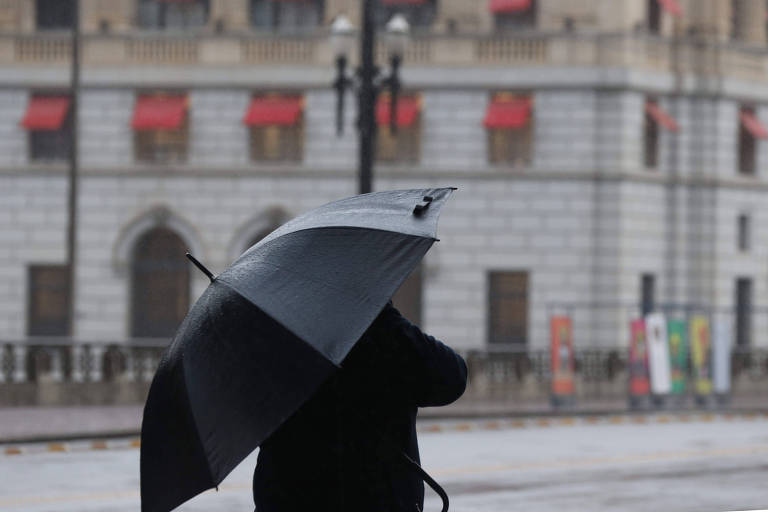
(353, 446)
(294, 348)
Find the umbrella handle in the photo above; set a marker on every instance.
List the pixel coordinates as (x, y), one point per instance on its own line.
(428, 479)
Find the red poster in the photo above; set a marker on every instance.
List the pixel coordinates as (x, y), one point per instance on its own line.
(561, 330)
(639, 381)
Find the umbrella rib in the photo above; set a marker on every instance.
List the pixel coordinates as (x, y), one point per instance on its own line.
(235, 289)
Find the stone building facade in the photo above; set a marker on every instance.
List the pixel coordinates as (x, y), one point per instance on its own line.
(640, 184)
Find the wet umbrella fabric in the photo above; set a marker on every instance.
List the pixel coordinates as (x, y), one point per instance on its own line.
(269, 330)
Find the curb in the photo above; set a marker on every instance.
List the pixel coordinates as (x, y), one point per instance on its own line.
(103, 442)
(606, 419)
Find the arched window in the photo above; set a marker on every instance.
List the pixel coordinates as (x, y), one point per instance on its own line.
(160, 284)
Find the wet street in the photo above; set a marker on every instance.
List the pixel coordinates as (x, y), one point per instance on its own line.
(660, 463)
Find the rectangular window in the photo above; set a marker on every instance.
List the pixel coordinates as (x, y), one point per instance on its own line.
(154, 14)
(654, 16)
(743, 311)
(750, 129)
(276, 127)
(407, 299)
(53, 14)
(48, 300)
(48, 120)
(511, 15)
(650, 142)
(404, 145)
(737, 13)
(743, 232)
(161, 128)
(508, 307)
(656, 118)
(509, 125)
(647, 293)
(287, 15)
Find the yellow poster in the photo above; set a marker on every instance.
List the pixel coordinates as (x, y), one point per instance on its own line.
(701, 350)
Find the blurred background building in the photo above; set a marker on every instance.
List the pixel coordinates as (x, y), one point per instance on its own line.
(608, 155)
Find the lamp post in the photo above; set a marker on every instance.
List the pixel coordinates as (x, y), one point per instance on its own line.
(368, 81)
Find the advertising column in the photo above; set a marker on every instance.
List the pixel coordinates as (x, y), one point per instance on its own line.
(561, 330)
(721, 356)
(678, 358)
(639, 382)
(658, 354)
(701, 357)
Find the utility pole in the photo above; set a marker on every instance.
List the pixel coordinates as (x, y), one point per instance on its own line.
(74, 87)
(367, 99)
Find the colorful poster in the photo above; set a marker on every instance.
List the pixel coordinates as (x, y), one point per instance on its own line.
(721, 355)
(701, 355)
(658, 353)
(639, 383)
(678, 355)
(561, 330)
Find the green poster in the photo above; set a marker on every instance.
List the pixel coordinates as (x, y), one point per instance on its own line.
(678, 354)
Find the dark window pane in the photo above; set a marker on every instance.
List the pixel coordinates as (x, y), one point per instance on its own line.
(747, 146)
(54, 14)
(743, 312)
(743, 232)
(289, 16)
(512, 21)
(648, 293)
(508, 307)
(651, 142)
(160, 282)
(654, 16)
(172, 14)
(48, 303)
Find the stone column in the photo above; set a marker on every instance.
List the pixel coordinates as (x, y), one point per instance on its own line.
(96, 360)
(3, 364)
(56, 373)
(19, 363)
(78, 368)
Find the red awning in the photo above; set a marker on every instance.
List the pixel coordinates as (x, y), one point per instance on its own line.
(407, 110)
(159, 112)
(753, 125)
(672, 7)
(46, 112)
(514, 113)
(502, 6)
(660, 116)
(265, 111)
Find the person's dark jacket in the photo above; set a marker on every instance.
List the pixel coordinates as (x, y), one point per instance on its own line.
(340, 452)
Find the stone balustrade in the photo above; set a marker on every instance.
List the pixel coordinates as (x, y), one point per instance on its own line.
(625, 50)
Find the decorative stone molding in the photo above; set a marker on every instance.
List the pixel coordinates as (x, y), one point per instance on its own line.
(156, 217)
(261, 224)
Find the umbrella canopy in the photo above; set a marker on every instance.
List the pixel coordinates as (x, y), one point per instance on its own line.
(269, 330)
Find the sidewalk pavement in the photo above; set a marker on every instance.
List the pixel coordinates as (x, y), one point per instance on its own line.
(32, 424)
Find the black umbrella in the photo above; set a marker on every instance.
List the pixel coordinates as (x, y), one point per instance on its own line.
(269, 330)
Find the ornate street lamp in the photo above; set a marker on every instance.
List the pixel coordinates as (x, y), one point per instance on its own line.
(368, 81)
